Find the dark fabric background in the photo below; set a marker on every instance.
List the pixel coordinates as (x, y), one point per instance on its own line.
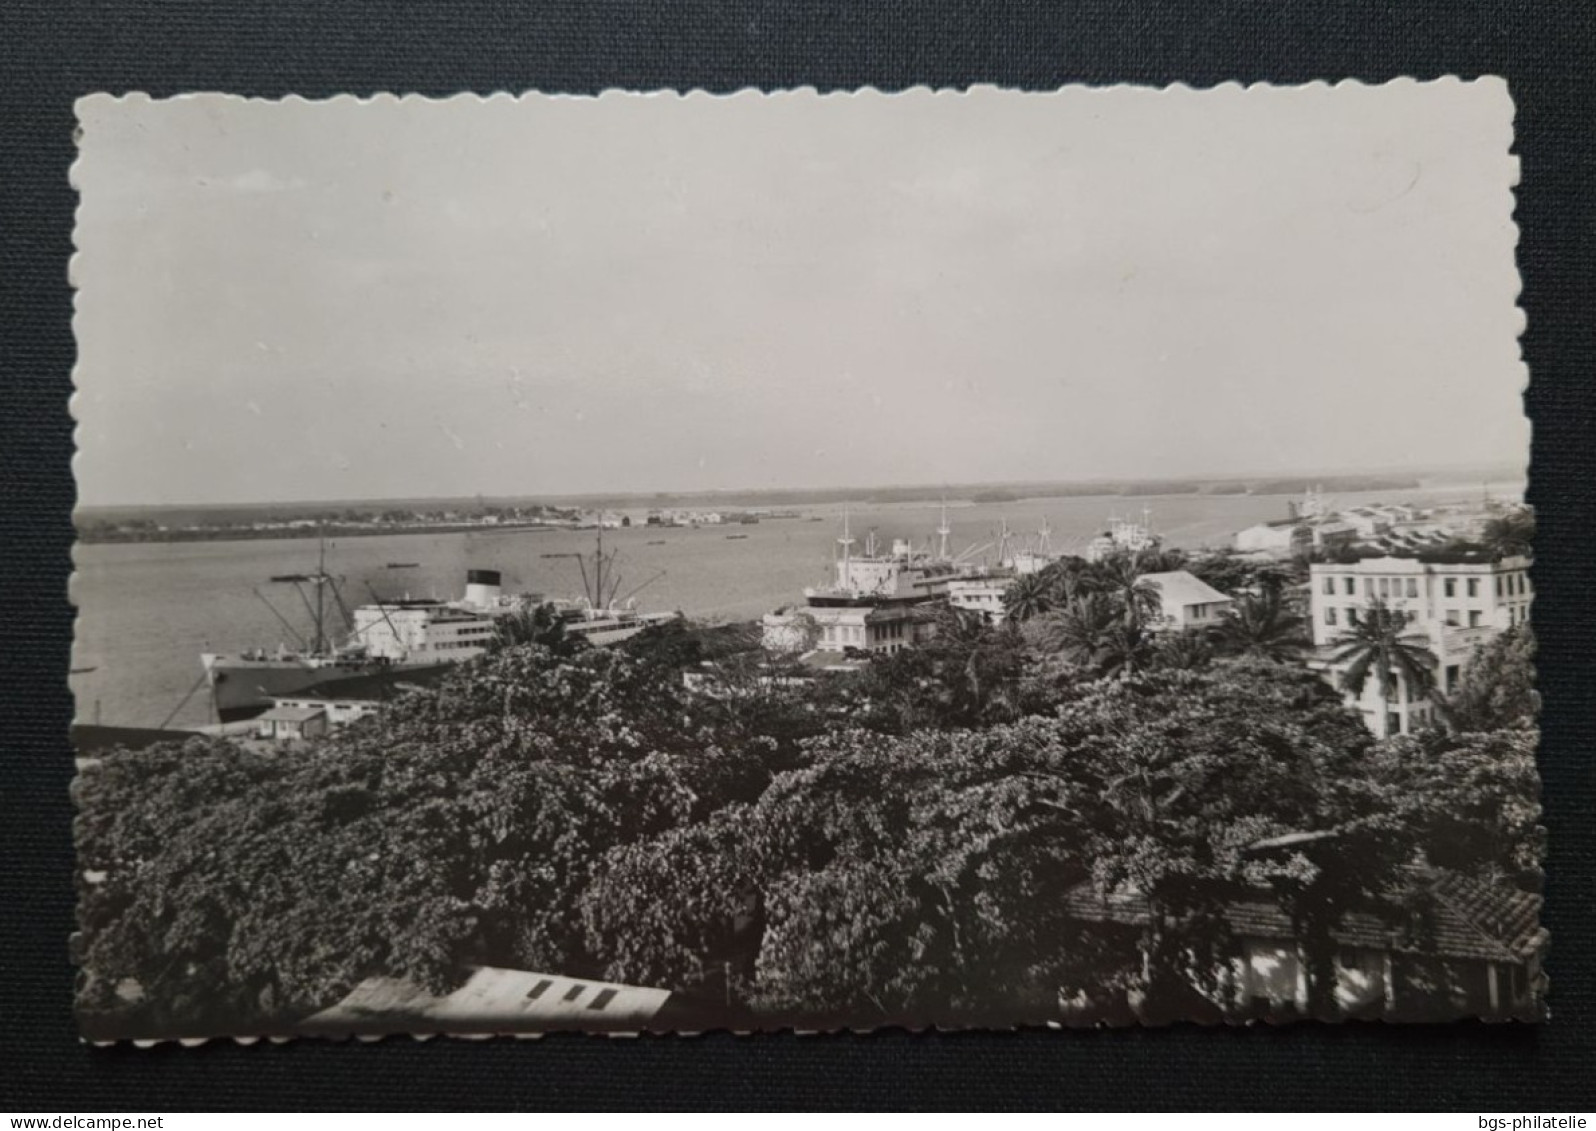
(52, 52)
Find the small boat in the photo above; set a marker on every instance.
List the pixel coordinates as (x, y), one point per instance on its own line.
(657, 542)
(404, 565)
(735, 537)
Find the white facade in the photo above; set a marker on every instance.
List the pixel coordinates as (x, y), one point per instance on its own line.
(1456, 606)
(337, 712)
(1436, 595)
(291, 723)
(982, 595)
(834, 628)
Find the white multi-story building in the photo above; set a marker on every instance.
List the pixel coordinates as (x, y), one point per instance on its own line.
(981, 593)
(1455, 605)
(874, 603)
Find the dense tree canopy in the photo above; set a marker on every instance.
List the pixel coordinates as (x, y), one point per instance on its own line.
(1497, 689)
(903, 843)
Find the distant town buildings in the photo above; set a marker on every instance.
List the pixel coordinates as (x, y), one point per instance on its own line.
(689, 518)
(1313, 524)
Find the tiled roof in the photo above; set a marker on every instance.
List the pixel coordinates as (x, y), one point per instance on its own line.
(1505, 915)
(1473, 920)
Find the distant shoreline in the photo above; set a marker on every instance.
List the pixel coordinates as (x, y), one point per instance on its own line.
(330, 530)
(230, 524)
(755, 498)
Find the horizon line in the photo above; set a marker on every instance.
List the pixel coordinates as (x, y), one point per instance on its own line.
(812, 489)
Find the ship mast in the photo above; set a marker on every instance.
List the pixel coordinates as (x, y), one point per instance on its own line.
(942, 533)
(846, 542)
(321, 580)
(321, 593)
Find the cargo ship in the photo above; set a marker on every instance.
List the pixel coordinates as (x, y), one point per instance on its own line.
(409, 637)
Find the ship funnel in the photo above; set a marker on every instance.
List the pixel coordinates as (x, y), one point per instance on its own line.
(482, 588)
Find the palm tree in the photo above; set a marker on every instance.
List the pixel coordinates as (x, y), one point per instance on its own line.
(1061, 579)
(1161, 559)
(1029, 596)
(1093, 632)
(1120, 577)
(1379, 644)
(1510, 534)
(1263, 625)
(1188, 650)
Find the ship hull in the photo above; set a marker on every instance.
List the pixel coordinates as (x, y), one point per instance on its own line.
(242, 689)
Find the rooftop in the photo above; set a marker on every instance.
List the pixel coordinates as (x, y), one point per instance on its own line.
(493, 999)
(1472, 920)
(1184, 588)
(291, 714)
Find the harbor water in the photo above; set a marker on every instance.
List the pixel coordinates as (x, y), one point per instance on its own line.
(147, 610)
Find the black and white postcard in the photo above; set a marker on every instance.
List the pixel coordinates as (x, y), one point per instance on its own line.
(659, 562)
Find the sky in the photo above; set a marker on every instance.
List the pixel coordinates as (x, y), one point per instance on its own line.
(406, 298)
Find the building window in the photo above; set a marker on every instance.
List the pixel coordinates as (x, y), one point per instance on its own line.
(1329, 614)
(1352, 616)
(1329, 587)
(1385, 587)
(1474, 587)
(1351, 585)
(1453, 673)
(1498, 585)
(1368, 587)
(1452, 618)
(1474, 618)
(1449, 587)
(1413, 587)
